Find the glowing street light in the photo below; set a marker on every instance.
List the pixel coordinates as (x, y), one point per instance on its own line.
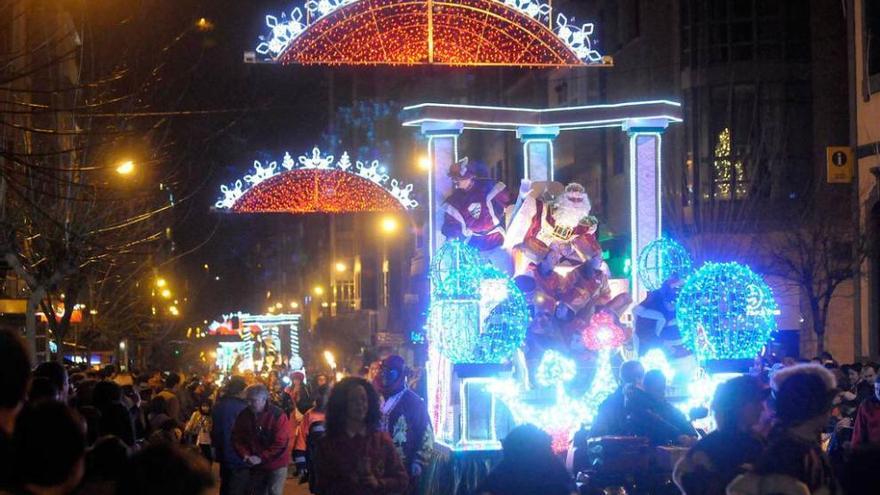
(340, 266)
(389, 225)
(424, 163)
(125, 167)
(161, 282)
(294, 304)
(204, 24)
(331, 360)
(174, 311)
(318, 290)
(278, 305)
(166, 293)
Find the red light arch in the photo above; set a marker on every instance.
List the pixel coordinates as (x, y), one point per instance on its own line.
(456, 33)
(314, 191)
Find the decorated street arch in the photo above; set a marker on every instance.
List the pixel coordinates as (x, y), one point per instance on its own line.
(316, 183)
(437, 32)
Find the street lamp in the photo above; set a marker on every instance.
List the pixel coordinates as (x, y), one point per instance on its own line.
(424, 163)
(161, 282)
(389, 224)
(166, 293)
(294, 304)
(174, 311)
(340, 266)
(125, 167)
(318, 290)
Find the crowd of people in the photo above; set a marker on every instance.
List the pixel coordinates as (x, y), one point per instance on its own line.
(805, 428)
(104, 432)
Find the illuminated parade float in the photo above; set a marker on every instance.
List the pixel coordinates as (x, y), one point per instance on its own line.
(525, 323)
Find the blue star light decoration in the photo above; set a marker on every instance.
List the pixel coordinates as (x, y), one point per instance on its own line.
(726, 311)
(662, 259)
(477, 313)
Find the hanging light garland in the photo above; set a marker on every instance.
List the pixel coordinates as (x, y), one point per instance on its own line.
(397, 32)
(726, 311)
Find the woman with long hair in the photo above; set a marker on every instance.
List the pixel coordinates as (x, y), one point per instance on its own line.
(355, 458)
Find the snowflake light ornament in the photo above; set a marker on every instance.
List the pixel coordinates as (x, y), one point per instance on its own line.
(315, 161)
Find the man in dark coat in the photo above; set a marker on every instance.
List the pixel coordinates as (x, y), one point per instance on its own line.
(234, 472)
(405, 418)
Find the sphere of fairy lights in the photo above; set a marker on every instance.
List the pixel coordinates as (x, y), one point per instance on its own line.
(477, 314)
(661, 260)
(603, 332)
(725, 311)
(555, 369)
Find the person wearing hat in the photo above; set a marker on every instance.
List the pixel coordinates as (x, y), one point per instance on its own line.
(474, 211)
(794, 461)
(405, 418)
(719, 457)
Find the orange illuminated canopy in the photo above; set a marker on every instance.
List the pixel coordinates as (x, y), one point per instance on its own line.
(439, 32)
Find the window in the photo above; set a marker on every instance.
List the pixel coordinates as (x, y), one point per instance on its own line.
(743, 30)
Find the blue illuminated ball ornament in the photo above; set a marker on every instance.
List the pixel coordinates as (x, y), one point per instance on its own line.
(662, 259)
(477, 313)
(725, 311)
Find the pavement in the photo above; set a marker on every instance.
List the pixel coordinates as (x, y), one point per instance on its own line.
(291, 486)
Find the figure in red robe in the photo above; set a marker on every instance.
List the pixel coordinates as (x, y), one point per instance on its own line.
(475, 209)
(559, 260)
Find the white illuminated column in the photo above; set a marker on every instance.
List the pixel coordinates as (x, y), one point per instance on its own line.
(537, 151)
(645, 149)
(442, 153)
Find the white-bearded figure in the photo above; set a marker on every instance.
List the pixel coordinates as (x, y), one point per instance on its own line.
(558, 259)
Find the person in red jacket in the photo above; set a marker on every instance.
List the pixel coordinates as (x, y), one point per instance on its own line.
(261, 436)
(867, 424)
(355, 458)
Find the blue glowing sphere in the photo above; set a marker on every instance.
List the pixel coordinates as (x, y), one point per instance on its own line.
(661, 260)
(477, 313)
(726, 311)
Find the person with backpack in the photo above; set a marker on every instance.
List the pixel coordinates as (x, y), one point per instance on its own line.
(311, 430)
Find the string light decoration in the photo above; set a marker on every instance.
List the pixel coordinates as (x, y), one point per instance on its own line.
(316, 183)
(661, 260)
(439, 32)
(477, 314)
(655, 359)
(603, 332)
(726, 311)
(554, 369)
(568, 413)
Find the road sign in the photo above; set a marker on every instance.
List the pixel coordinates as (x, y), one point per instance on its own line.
(839, 164)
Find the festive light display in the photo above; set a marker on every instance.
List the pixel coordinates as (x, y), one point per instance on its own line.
(568, 413)
(316, 183)
(443, 32)
(603, 332)
(554, 369)
(464, 323)
(662, 259)
(655, 359)
(725, 311)
(730, 177)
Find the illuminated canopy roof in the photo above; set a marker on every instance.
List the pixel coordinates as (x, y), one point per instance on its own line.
(316, 183)
(562, 118)
(440, 32)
